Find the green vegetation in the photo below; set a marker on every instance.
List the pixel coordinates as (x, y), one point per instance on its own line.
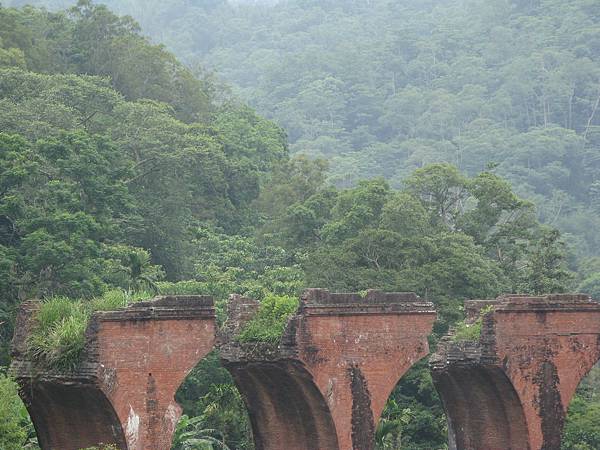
(581, 432)
(213, 403)
(471, 331)
(106, 177)
(57, 339)
(459, 138)
(383, 87)
(222, 408)
(269, 322)
(393, 421)
(468, 332)
(191, 435)
(16, 430)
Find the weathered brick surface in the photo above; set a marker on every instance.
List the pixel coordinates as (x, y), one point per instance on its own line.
(325, 386)
(123, 392)
(511, 390)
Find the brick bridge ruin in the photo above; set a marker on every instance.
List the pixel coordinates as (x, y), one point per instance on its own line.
(512, 388)
(123, 392)
(324, 386)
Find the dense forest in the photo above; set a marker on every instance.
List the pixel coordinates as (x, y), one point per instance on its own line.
(382, 87)
(448, 148)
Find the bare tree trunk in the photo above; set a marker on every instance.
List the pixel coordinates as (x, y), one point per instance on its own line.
(570, 112)
(591, 119)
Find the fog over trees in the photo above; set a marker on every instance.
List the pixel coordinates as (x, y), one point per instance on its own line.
(446, 147)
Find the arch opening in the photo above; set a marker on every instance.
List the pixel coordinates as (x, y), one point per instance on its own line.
(413, 416)
(213, 407)
(72, 417)
(286, 408)
(482, 407)
(581, 430)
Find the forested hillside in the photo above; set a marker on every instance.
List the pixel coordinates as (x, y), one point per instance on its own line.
(383, 87)
(124, 173)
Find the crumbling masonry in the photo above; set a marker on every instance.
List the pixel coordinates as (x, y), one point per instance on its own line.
(325, 384)
(512, 388)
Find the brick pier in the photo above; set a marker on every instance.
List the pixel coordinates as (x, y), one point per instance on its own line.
(325, 385)
(511, 389)
(123, 391)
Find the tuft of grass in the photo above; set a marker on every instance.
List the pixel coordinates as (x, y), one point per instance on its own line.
(139, 297)
(468, 332)
(269, 322)
(471, 332)
(52, 311)
(111, 300)
(117, 299)
(57, 338)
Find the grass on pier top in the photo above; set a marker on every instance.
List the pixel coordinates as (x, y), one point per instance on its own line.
(57, 338)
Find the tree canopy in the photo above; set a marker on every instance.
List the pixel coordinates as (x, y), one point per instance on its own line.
(443, 147)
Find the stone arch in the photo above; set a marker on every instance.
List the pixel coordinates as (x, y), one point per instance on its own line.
(540, 347)
(590, 381)
(286, 408)
(72, 416)
(339, 358)
(122, 391)
(482, 408)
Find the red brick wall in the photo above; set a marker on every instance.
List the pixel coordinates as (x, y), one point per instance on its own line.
(380, 347)
(123, 391)
(325, 387)
(341, 355)
(546, 355)
(512, 388)
(147, 361)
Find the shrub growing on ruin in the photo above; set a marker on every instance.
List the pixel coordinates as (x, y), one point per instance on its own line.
(471, 332)
(269, 322)
(16, 429)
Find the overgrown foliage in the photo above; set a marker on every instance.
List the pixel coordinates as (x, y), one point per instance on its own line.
(191, 434)
(470, 331)
(122, 171)
(105, 177)
(269, 322)
(384, 87)
(445, 236)
(222, 418)
(16, 430)
(209, 392)
(57, 337)
(581, 432)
